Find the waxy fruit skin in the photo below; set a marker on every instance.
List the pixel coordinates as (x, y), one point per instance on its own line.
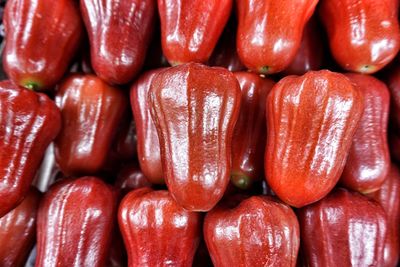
(368, 161)
(120, 32)
(148, 146)
(18, 231)
(343, 229)
(249, 137)
(42, 38)
(195, 108)
(311, 121)
(190, 29)
(269, 32)
(364, 35)
(74, 223)
(91, 111)
(260, 231)
(389, 198)
(156, 230)
(310, 55)
(29, 122)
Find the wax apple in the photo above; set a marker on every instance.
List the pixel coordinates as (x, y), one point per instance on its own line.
(119, 33)
(249, 137)
(195, 108)
(148, 146)
(29, 122)
(145, 214)
(269, 32)
(42, 39)
(18, 231)
(260, 231)
(343, 229)
(364, 35)
(91, 111)
(368, 160)
(311, 121)
(74, 223)
(389, 198)
(190, 29)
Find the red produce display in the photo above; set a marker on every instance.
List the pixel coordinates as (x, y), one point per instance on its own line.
(204, 133)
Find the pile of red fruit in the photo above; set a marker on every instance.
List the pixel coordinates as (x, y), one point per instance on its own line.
(200, 133)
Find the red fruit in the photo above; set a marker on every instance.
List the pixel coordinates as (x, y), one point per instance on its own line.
(42, 38)
(75, 221)
(343, 229)
(269, 32)
(145, 215)
(195, 109)
(311, 121)
(389, 198)
(18, 231)
(148, 146)
(190, 29)
(249, 137)
(91, 111)
(364, 35)
(29, 122)
(119, 33)
(368, 161)
(260, 231)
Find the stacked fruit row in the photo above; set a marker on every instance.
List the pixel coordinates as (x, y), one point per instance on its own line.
(201, 132)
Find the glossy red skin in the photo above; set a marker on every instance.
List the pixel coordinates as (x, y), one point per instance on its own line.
(148, 146)
(131, 177)
(18, 231)
(249, 137)
(91, 111)
(343, 229)
(260, 231)
(269, 32)
(74, 223)
(119, 32)
(29, 122)
(311, 52)
(368, 161)
(195, 109)
(389, 198)
(363, 35)
(41, 41)
(225, 54)
(311, 121)
(190, 29)
(145, 216)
